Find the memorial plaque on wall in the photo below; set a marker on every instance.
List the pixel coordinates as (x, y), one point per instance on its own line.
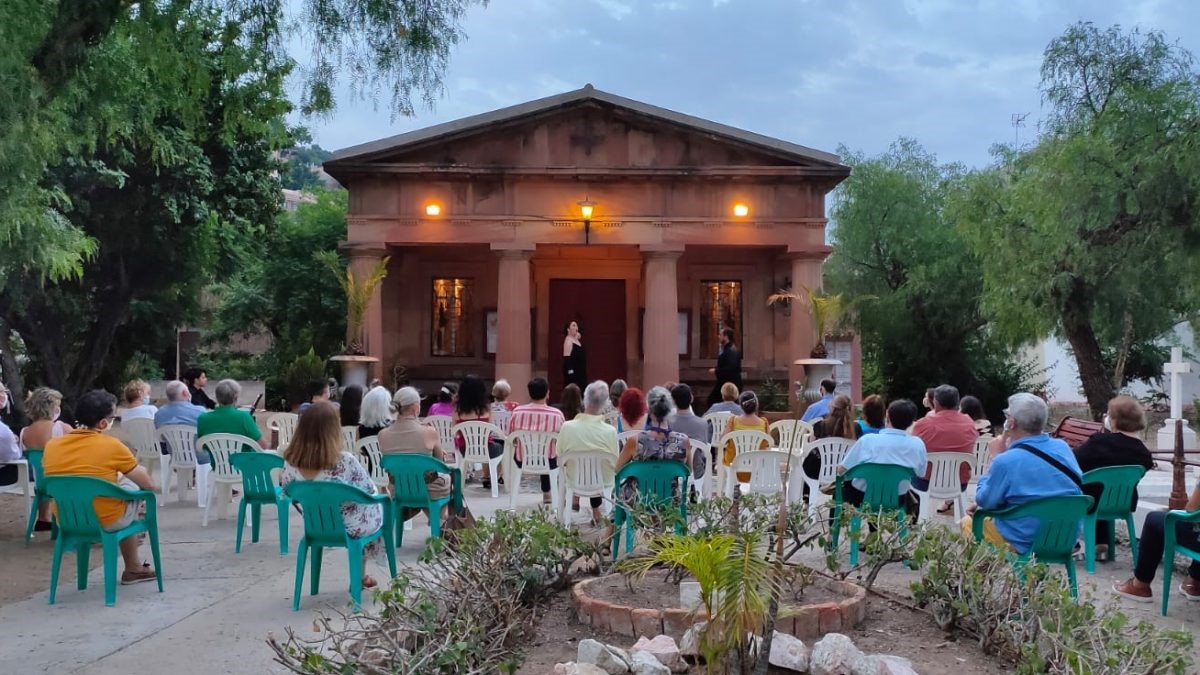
(842, 350)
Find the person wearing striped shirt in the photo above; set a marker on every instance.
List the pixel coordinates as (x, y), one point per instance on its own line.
(537, 415)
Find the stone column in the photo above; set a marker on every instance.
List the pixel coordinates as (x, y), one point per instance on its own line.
(660, 323)
(513, 330)
(806, 273)
(363, 258)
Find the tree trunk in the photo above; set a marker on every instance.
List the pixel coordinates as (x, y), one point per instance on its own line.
(1077, 327)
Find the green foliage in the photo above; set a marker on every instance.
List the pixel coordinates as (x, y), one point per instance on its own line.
(142, 366)
(359, 289)
(773, 396)
(305, 369)
(300, 166)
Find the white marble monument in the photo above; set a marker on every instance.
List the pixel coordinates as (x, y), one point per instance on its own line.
(1176, 369)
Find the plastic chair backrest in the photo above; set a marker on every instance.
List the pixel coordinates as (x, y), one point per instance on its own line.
(983, 458)
(475, 439)
(221, 446)
(785, 433)
(610, 418)
(73, 497)
(181, 439)
(368, 452)
(443, 424)
(535, 449)
(321, 501)
(883, 484)
(256, 468)
(139, 436)
(832, 450)
(655, 479)
(33, 457)
(944, 482)
(766, 470)
(1119, 483)
(407, 470)
(625, 436)
(585, 471)
(349, 439)
(746, 440)
(1058, 524)
(284, 424)
(717, 421)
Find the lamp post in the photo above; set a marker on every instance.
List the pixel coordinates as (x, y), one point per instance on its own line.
(586, 207)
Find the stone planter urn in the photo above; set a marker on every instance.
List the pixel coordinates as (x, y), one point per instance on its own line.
(815, 370)
(354, 369)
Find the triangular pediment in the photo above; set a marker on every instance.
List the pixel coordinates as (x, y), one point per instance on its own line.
(586, 128)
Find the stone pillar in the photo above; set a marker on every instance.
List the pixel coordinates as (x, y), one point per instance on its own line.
(363, 258)
(660, 323)
(806, 273)
(512, 314)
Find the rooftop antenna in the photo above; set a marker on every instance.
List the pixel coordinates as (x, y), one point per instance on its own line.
(1018, 121)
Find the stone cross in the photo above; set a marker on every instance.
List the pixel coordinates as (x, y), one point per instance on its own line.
(1177, 368)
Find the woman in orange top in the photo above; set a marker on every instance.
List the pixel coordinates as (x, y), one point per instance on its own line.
(748, 420)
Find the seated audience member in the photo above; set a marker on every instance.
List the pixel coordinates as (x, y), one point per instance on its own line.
(87, 451)
(689, 424)
(444, 406)
(657, 442)
(1151, 546)
(588, 431)
(1117, 445)
(196, 379)
(838, 422)
(973, 408)
(10, 451)
(572, 402)
(179, 409)
(632, 407)
(317, 392)
(471, 405)
(7, 414)
(873, 412)
(927, 402)
(43, 407)
(227, 418)
(350, 406)
(407, 435)
(747, 420)
(820, 408)
(946, 430)
(891, 445)
(376, 412)
(315, 453)
(501, 407)
(137, 402)
(1032, 466)
(537, 415)
(729, 400)
(614, 395)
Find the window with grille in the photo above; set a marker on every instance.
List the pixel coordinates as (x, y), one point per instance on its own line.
(720, 308)
(451, 324)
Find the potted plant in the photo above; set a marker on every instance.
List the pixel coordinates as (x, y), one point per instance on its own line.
(359, 292)
(830, 314)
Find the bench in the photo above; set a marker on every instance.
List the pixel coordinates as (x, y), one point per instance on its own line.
(1075, 431)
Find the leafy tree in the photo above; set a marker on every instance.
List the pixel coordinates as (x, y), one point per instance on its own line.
(299, 167)
(168, 204)
(1090, 234)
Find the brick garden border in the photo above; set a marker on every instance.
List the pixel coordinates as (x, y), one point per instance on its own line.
(807, 622)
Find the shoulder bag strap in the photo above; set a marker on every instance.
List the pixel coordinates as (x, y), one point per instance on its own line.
(1052, 462)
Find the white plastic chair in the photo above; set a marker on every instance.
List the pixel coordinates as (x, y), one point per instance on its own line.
(704, 483)
(625, 436)
(367, 450)
(140, 436)
(443, 424)
(224, 477)
(583, 472)
(717, 421)
(535, 461)
(744, 440)
(349, 439)
(181, 439)
(610, 418)
(831, 451)
(284, 426)
(983, 458)
(784, 432)
(944, 482)
(475, 447)
(765, 468)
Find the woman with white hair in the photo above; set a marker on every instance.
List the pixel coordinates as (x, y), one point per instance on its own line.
(501, 408)
(376, 413)
(656, 442)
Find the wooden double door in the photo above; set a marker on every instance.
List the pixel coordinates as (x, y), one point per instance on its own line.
(598, 305)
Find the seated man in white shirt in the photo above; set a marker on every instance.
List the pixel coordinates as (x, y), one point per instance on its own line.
(892, 445)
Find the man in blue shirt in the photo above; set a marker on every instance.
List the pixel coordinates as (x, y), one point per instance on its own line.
(892, 445)
(180, 410)
(820, 407)
(1017, 475)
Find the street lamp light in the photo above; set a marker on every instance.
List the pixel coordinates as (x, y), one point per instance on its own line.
(586, 208)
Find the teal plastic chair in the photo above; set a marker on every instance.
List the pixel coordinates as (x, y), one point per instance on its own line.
(79, 528)
(656, 480)
(1120, 482)
(882, 493)
(258, 488)
(1057, 532)
(1171, 548)
(409, 489)
(321, 502)
(33, 457)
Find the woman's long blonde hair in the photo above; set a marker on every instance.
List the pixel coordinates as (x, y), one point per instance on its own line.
(317, 443)
(840, 420)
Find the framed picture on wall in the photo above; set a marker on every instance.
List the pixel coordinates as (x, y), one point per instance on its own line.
(683, 333)
(491, 332)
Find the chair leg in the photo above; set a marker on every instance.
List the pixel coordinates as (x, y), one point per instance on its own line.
(241, 525)
(355, 553)
(1112, 540)
(1071, 578)
(389, 543)
(1089, 542)
(855, 522)
(33, 509)
(315, 573)
(1168, 567)
(301, 557)
(255, 520)
(514, 480)
(209, 494)
(566, 506)
(152, 535)
(555, 502)
(110, 569)
(82, 554)
(282, 507)
(164, 472)
(54, 567)
(435, 520)
(618, 522)
(492, 466)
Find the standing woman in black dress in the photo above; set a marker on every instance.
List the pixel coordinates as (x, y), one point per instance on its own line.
(574, 358)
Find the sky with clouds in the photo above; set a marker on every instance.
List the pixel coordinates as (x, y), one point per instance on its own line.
(821, 73)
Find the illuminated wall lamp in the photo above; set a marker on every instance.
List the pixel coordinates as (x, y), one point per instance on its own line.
(433, 210)
(741, 210)
(586, 209)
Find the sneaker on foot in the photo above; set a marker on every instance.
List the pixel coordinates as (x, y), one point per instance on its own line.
(130, 577)
(1126, 589)
(1190, 590)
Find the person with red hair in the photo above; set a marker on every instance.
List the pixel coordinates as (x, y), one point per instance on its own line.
(632, 406)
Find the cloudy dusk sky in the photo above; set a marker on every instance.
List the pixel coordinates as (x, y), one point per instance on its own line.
(949, 73)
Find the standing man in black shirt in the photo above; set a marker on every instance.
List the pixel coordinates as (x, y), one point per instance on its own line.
(729, 366)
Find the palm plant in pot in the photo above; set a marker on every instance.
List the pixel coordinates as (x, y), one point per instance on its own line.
(358, 295)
